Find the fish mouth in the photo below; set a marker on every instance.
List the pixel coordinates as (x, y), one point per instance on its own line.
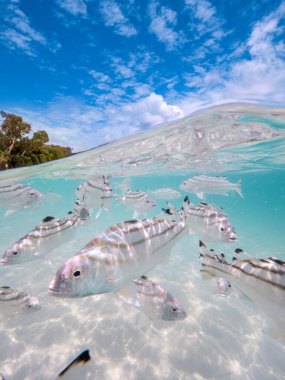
(232, 239)
(4, 261)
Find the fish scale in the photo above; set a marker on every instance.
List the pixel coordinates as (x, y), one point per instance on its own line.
(118, 255)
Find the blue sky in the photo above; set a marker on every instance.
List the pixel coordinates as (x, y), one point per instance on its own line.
(91, 71)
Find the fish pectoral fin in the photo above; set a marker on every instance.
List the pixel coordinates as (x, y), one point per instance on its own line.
(8, 213)
(200, 195)
(128, 293)
(135, 215)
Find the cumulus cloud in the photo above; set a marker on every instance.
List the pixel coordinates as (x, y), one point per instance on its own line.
(113, 17)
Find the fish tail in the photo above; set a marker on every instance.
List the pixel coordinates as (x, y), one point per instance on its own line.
(211, 262)
(178, 214)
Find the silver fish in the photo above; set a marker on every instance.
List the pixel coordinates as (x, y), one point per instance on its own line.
(115, 257)
(224, 286)
(49, 234)
(262, 280)
(74, 369)
(165, 193)
(15, 196)
(95, 194)
(207, 221)
(19, 299)
(138, 201)
(153, 300)
(202, 184)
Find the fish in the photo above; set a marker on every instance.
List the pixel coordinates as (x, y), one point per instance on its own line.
(74, 369)
(116, 257)
(16, 195)
(261, 280)
(207, 221)
(202, 184)
(49, 234)
(95, 194)
(18, 298)
(138, 201)
(165, 193)
(224, 286)
(152, 300)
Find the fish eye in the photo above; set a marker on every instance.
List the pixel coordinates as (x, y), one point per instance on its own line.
(76, 273)
(174, 309)
(15, 253)
(222, 229)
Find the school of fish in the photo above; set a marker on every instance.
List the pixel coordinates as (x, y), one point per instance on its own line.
(119, 258)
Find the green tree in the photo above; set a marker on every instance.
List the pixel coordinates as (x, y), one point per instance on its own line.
(40, 137)
(13, 128)
(18, 149)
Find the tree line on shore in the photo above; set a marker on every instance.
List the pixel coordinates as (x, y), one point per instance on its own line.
(19, 148)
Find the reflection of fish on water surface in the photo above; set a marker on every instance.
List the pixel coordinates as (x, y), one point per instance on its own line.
(49, 234)
(262, 280)
(152, 300)
(16, 195)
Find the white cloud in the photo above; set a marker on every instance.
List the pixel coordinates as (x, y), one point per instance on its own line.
(75, 7)
(69, 122)
(100, 77)
(20, 35)
(163, 21)
(259, 78)
(113, 17)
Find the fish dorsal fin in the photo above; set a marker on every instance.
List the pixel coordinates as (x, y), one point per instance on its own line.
(48, 219)
(276, 261)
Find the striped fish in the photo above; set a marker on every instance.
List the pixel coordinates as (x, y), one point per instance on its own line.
(152, 299)
(207, 221)
(224, 286)
(138, 201)
(202, 184)
(262, 280)
(95, 194)
(116, 257)
(165, 193)
(17, 298)
(16, 195)
(49, 234)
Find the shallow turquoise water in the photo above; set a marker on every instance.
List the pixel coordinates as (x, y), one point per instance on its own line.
(222, 337)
